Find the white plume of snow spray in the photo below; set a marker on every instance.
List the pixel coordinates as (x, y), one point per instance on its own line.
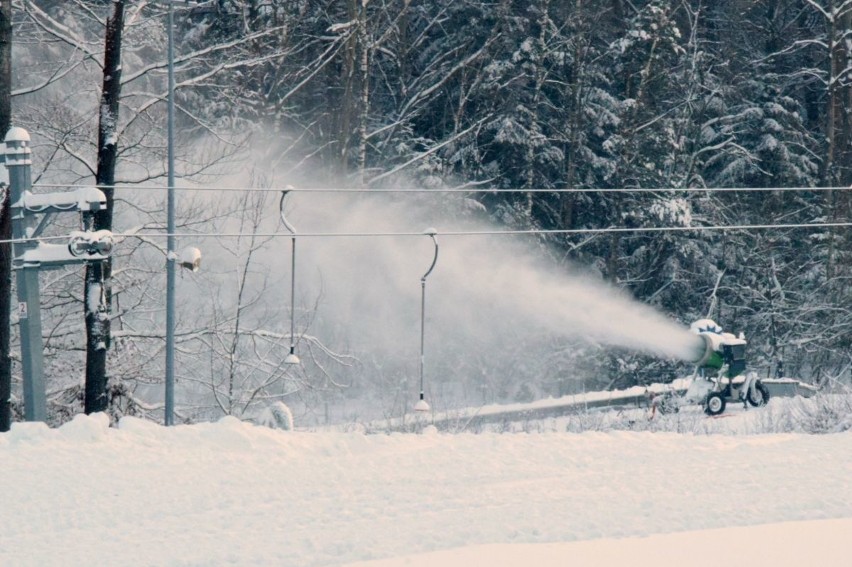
(481, 285)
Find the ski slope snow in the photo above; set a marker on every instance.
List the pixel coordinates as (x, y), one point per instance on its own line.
(231, 493)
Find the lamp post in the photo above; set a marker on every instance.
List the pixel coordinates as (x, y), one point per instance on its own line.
(171, 255)
(422, 405)
(291, 358)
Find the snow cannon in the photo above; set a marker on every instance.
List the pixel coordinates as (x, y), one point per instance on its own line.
(715, 349)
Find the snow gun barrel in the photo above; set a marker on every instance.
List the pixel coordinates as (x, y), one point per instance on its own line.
(703, 349)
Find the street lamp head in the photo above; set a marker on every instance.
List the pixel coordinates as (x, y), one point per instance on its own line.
(292, 358)
(190, 258)
(422, 406)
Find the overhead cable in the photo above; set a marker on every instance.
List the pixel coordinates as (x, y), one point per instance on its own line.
(462, 190)
(519, 232)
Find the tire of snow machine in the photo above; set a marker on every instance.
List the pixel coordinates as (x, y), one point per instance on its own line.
(714, 404)
(759, 397)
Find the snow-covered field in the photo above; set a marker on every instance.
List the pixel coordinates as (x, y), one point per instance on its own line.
(231, 493)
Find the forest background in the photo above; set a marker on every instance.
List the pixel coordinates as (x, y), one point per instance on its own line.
(671, 97)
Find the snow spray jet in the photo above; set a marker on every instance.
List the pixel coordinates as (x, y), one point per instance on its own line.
(484, 285)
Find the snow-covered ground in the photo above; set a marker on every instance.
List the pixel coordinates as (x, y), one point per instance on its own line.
(231, 493)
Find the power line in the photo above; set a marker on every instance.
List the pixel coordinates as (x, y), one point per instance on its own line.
(567, 231)
(520, 232)
(463, 190)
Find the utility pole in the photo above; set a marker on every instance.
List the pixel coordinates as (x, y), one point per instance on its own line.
(19, 164)
(30, 256)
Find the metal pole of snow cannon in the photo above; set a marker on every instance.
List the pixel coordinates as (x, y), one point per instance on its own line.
(19, 165)
(422, 405)
(291, 358)
(170, 228)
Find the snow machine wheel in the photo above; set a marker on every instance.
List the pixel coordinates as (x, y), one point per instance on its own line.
(714, 404)
(759, 396)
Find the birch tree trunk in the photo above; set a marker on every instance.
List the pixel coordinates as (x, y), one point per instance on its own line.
(364, 107)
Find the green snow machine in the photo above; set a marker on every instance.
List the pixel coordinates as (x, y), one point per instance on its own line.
(720, 373)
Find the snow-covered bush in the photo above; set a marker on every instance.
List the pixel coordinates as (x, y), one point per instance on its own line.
(277, 416)
(827, 413)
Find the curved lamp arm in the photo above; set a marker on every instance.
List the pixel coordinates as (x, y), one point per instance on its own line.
(286, 223)
(432, 233)
(291, 358)
(422, 405)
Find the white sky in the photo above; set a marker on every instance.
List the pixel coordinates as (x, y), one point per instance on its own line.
(230, 493)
